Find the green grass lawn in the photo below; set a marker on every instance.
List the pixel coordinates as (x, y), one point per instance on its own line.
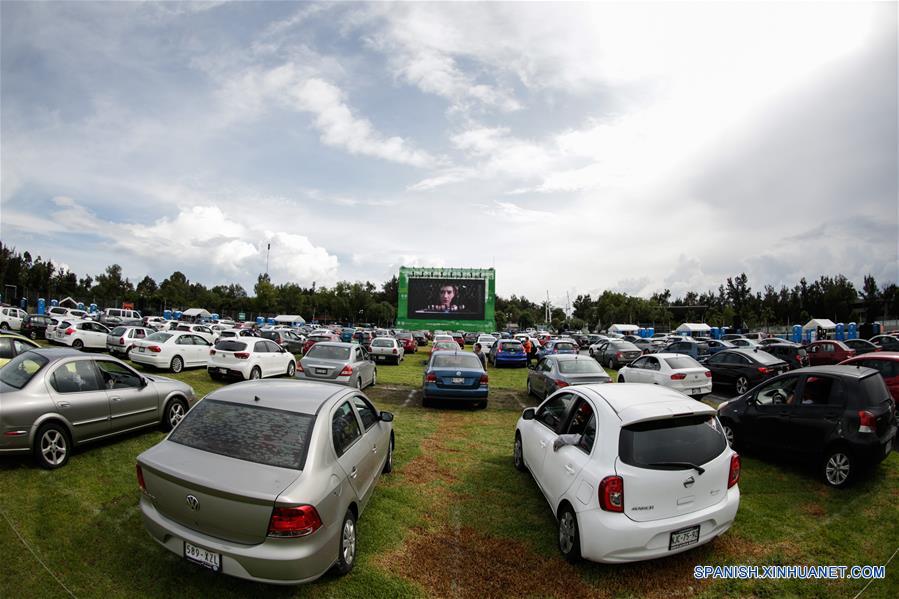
(455, 519)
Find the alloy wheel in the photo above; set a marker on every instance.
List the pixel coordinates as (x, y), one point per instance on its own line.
(566, 532)
(729, 434)
(176, 413)
(53, 447)
(837, 468)
(348, 541)
(516, 453)
(742, 385)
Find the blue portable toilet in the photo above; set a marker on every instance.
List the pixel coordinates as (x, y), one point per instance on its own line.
(841, 332)
(80, 306)
(214, 317)
(641, 332)
(650, 332)
(808, 335)
(167, 314)
(853, 331)
(93, 309)
(876, 329)
(797, 333)
(41, 305)
(177, 314)
(54, 303)
(715, 333)
(259, 321)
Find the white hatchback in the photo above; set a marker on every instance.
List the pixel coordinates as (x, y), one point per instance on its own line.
(80, 334)
(172, 350)
(486, 342)
(676, 371)
(249, 358)
(386, 349)
(631, 472)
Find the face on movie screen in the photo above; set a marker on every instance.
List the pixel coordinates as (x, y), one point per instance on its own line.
(456, 299)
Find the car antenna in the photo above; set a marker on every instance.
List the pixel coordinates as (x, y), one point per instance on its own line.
(256, 398)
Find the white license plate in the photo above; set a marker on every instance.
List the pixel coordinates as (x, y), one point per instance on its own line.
(223, 371)
(380, 357)
(683, 537)
(204, 557)
(142, 350)
(321, 371)
(696, 391)
(458, 381)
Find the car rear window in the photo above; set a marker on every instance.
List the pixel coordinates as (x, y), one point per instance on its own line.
(682, 362)
(765, 358)
(119, 331)
(250, 433)
(382, 343)
(580, 367)
(564, 345)
(693, 439)
(230, 345)
(875, 389)
(457, 361)
(511, 347)
(161, 337)
(18, 371)
(328, 352)
(318, 338)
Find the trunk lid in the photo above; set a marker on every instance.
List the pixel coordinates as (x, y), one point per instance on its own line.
(322, 369)
(457, 379)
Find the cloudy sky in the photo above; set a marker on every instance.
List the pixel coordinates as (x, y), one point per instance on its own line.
(575, 147)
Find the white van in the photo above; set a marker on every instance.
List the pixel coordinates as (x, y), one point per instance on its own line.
(121, 316)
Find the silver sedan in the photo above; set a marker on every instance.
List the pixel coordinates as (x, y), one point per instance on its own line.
(265, 480)
(562, 370)
(335, 362)
(56, 399)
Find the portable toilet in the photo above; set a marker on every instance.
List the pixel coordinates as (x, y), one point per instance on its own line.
(810, 335)
(177, 314)
(54, 303)
(93, 309)
(167, 314)
(650, 331)
(214, 317)
(876, 329)
(259, 321)
(853, 331)
(797, 333)
(841, 332)
(715, 333)
(80, 306)
(271, 321)
(41, 305)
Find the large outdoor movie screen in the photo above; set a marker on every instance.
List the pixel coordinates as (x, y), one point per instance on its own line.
(449, 299)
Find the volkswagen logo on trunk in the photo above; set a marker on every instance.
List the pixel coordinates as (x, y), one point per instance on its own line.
(689, 482)
(193, 503)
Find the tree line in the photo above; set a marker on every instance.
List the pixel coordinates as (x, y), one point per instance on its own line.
(734, 303)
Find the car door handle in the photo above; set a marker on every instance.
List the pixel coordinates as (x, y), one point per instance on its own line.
(374, 448)
(569, 469)
(64, 404)
(542, 443)
(353, 472)
(115, 398)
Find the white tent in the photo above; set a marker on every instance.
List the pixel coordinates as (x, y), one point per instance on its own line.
(694, 328)
(624, 329)
(195, 313)
(290, 319)
(819, 323)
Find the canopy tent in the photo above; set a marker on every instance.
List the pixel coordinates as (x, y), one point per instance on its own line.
(694, 328)
(819, 323)
(68, 302)
(196, 313)
(289, 319)
(624, 329)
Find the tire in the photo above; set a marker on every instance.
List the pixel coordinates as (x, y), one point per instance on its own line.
(388, 465)
(621, 379)
(128, 354)
(742, 385)
(569, 535)
(838, 467)
(374, 377)
(425, 402)
(730, 435)
(33, 335)
(481, 405)
(591, 352)
(52, 446)
(346, 550)
(177, 364)
(610, 364)
(291, 369)
(214, 376)
(359, 383)
(530, 389)
(255, 374)
(174, 413)
(4, 326)
(518, 454)
(78, 344)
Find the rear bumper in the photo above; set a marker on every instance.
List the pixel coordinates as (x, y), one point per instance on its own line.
(514, 360)
(341, 380)
(149, 359)
(228, 371)
(432, 391)
(117, 349)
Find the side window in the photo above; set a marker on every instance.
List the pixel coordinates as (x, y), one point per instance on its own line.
(116, 376)
(583, 412)
(821, 391)
(653, 364)
(344, 428)
(139, 333)
(367, 413)
(184, 340)
(6, 348)
(779, 392)
(588, 437)
(273, 347)
(260, 347)
(20, 347)
(201, 341)
(553, 412)
(75, 377)
(639, 363)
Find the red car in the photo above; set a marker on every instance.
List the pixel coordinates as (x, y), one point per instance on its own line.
(312, 340)
(410, 345)
(459, 338)
(887, 363)
(828, 352)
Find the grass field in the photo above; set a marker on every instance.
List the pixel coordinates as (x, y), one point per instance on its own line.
(455, 519)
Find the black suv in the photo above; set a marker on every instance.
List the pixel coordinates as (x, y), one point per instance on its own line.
(842, 416)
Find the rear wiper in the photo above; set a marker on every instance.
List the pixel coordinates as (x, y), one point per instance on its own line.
(698, 469)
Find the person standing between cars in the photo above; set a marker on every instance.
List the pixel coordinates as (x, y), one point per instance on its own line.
(480, 355)
(527, 349)
(532, 355)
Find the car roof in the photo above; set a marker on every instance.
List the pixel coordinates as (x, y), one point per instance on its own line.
(569, 357)
(284, 394)
(337, 344)
(58, 353)
(846, 370)
(876, 355)
(637, 402)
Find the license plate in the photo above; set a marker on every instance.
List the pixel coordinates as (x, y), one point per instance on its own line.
(380, 357)
(223, 371)
(458, 381)
(205, 558)
(142, 350)
(683, 537)
(696, 391)
(321, 371)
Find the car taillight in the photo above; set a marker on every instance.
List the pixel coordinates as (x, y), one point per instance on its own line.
(708, 374)
(121, 341)
(611, 494)
(292, 522)
(346, 371)
(762, 370)
(140, 479)
(617, 355)
(70, 331)
(211, 352)
(734, 476)
(155, 349)
(867, 423)
(678, 376)
(394, 350)
(560, 383)
(431, 378)
(242, 355)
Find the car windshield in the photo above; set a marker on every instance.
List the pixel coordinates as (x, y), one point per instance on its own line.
(382, 343)
(589, 366)
(691, 439)
(328, 352)
(18, 371)
(161, 337)
(682, 362)
(469, 361)
(250, 433)
(318, 338)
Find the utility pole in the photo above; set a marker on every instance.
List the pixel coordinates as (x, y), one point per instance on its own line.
(267, 252)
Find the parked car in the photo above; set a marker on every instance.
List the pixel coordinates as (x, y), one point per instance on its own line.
(11, 318)
(121, 339)
(615, 353)
(363, 338)
(861, 346)
(745, 343)
(454, 375)
(557, 371)
(716, 346)
(276, 475)
(35, 326)
(386, 349)
(886, 363)
(758, 337)
(645, 345)
(200, 329)
(346, 335)
(771, 340)
(337, 362)
(286, 339)
(558, 346)
(695, 349)
(744, 368)
(470, 338)
(330, 337)
(11, 345)
(56, 399)
(841, 416)
(445, 346)
(791, 353)
(828, 352)
(507, 351)
(68, 313)
(677, 371)
(460, 339)
(410, 346)
(486, 342)
(249, 358)
(420, 338)
(113, 317)
(80, 334)
(886, 342)
(732, 336)
(630, 472)
(171, 350)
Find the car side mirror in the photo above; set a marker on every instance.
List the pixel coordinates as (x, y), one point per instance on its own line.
(143, 382)
(529, 414)
(386, 417)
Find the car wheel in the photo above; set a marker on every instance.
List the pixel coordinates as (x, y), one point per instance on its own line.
(359, 383)
(591, 352)
(388, 465)
(78, 344)
(174, 413)
(482, 405)
(729, 433)
(255, 374)
(291, 369)
(621, 379)
(518, 454)
(530, 389)
(838, 467)
(177, 364)
(742, 385)
(51, 449)
(610, 364)
(374, 377)
(569, 536)
(214, 375)
(33, 335)
(346, 558)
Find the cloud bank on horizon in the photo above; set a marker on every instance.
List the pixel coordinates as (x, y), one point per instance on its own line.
(575, 147)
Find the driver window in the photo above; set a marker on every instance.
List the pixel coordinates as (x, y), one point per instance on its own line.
(116, 376)
(588, 436)
(779, 392)
(582, 414)
(640, 363)
(652, 364)
(820, 391)
(344, 428)
(553, 412)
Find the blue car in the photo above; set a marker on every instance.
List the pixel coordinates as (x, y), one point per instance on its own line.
(507, 351)
(346, 335)
(454, 375)
(558, 346)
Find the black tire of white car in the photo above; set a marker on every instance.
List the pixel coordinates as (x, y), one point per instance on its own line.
(518, 454)
(177, 364)
(569, 535)
(346, 549)
(838, 467)
(52, 446)
(291, 369)
(255, 374)
(388, 465)
(77, 344)
(621, 379)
